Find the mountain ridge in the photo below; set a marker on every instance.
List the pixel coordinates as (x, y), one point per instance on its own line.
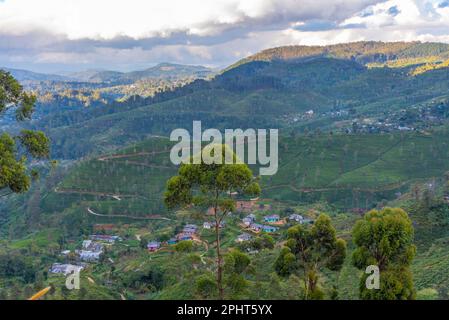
(162, 70)
(363, 52)
(27, 75)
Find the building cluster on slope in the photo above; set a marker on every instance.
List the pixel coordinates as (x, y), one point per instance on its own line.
(249, 223)
(213, 224)
(67, 268)
(91, 251)
(189, 232)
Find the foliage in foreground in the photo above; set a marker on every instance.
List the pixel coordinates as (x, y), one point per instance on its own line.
(13, 169)
(308, 251)
(385, 239)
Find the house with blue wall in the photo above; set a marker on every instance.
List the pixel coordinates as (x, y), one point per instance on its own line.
(271, 218)
(269, 229)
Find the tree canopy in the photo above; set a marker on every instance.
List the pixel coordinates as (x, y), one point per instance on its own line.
(15, 150)
(211, 184)
(385, 239)
(309, 250)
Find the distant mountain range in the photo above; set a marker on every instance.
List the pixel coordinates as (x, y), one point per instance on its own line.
(25, 75)
(272, 89)
(323, 100)
(160, 71)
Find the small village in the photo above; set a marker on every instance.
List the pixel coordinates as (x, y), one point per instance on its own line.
(249, 226)
(91, 250)
(417, 118)
(256, 220)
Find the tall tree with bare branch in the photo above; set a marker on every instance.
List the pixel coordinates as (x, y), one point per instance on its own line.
(212, 185)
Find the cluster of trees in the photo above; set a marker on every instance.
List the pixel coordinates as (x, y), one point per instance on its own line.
(15, 150)
(362, 51)
(382, 238)
(72, 98)
(429, 67)
(147, 87)
(264, 241)
(308, 251)
(385, 239)
(13, 265)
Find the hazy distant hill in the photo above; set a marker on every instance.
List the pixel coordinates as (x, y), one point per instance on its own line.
(94, 75)
(170, 70)
(267, 93)
(160, 71)
(25, 75)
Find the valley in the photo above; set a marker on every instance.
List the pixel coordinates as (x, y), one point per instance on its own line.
(362, 126)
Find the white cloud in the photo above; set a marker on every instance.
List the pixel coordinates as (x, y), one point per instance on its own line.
(138, 19)
(120, 34)
(392, 20)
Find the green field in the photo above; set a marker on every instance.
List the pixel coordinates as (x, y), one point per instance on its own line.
(349, 171)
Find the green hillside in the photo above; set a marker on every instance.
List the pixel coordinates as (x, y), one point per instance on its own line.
(160, 71)
(362, 126)
(364, 52)
(340, 87)
(124, 188)
(349, 171)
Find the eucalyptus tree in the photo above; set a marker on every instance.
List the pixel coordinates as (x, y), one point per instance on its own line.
(310, 250)
(384, 239)
(212, 184)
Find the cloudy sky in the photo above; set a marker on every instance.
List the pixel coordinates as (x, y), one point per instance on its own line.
(69, 35)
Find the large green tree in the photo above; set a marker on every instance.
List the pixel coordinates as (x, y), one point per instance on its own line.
(236, 265)
(16, 150)
(385, 239)
(212, 185)
(309, 250)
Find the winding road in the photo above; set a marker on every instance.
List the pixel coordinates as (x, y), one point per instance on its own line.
(149, 217)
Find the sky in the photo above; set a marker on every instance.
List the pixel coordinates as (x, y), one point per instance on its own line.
(57, 36)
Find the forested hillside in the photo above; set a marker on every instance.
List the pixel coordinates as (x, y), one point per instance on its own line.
(321, 93)
(362, 126)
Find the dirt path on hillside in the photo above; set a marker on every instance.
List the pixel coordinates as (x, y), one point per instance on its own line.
(148, 217)
(116, 196)
(127, 155)
(310, 190)
(142, 164)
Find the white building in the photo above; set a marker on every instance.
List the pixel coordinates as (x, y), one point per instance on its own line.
(90, 255)
(65, 269)
(296, 217)
(86, 244)
(89, 245)
(207, 225)
(244, 237)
